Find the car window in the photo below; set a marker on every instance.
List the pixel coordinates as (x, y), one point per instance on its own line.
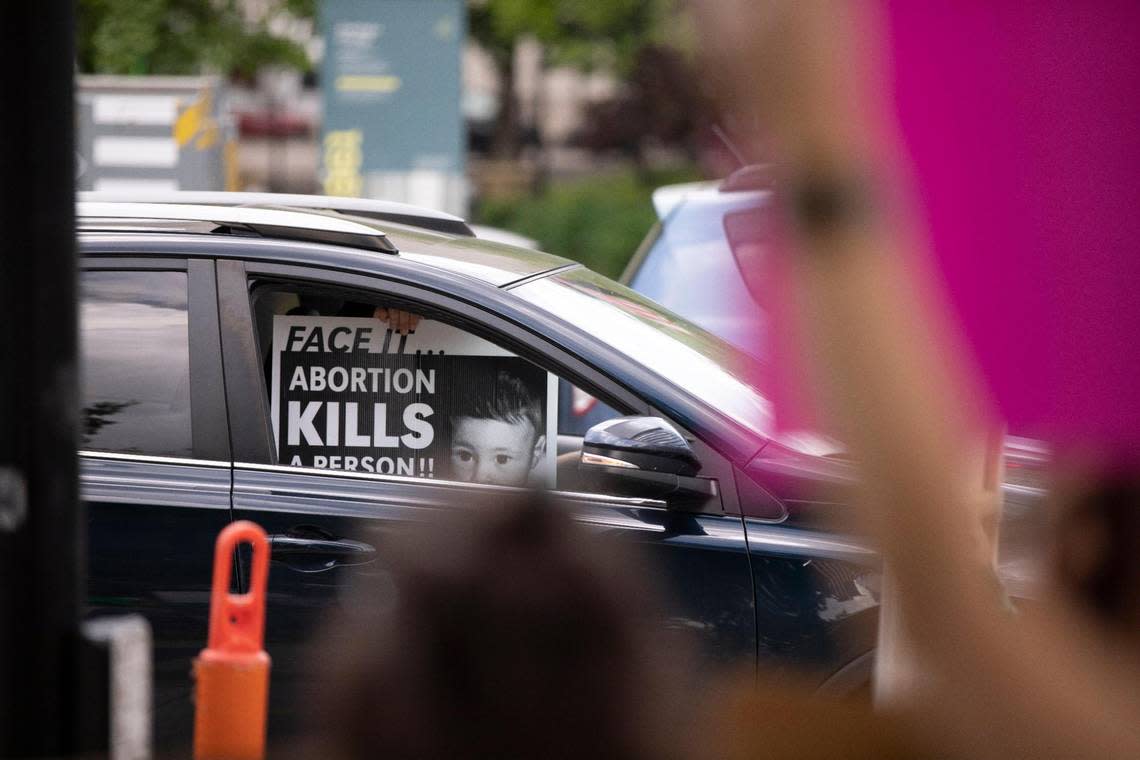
(698, 362)
(578, 410)
(348, 389)
(135, 353)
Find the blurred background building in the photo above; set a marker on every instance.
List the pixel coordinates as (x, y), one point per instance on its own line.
(566, 115)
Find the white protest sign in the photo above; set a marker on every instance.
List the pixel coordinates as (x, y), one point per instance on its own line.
(350, 394)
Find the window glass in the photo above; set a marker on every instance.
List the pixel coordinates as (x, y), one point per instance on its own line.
(578, 410)
(134, 342)
(355, 383)
(693, 359)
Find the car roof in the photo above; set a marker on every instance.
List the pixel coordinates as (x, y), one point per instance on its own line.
(495, 264)
(500, 235)
(382, 210)
(749, 181)
(666, 197)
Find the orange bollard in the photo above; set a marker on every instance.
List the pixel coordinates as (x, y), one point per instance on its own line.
(232, 672)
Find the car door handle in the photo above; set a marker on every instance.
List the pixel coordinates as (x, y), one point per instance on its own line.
(283, 545)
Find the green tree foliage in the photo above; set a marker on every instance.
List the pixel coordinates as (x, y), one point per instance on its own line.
(597, 220)
(182, 37)
(583, 33)
(663, 102)
(578, 32)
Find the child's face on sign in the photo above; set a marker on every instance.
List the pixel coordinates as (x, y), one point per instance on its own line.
(493, 451)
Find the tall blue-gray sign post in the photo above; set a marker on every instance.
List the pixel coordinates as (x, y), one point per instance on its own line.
(393, 128)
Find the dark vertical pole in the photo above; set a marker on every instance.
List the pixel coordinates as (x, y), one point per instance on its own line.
(44, 668)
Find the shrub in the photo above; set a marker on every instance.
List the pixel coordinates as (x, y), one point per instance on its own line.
(597, 220)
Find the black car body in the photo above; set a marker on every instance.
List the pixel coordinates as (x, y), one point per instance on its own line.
(699, 223)
(178, 443)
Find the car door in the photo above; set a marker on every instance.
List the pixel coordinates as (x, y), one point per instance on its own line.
(154, 458)
(329, 526)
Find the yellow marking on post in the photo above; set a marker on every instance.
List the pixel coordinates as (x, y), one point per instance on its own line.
(344, 158)
(230, 165)
(190, 121)
(367, 83)
(209, 136)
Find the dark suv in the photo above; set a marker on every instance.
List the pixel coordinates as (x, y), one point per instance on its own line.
(180, 303)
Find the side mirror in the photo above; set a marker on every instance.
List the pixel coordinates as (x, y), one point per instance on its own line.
(644, 456)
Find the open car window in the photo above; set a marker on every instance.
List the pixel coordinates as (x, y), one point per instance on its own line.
(357, 383)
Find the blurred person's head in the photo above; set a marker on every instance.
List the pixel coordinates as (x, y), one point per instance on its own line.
(500, 633)
(1097, 534)
(499, 437)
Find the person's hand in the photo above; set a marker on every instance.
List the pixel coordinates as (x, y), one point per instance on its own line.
(803, 79)
(403, 322)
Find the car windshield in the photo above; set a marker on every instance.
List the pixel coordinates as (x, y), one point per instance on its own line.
(691, 358)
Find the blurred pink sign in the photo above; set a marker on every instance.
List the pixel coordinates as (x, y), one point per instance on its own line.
(1022, 121)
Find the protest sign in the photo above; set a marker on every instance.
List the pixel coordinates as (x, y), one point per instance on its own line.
(350, 394)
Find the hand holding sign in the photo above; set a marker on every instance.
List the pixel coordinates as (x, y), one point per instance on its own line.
(400, 321)
(435, 403)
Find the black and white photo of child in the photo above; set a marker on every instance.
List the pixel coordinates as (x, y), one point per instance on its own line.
(438, 403)
(498, 432)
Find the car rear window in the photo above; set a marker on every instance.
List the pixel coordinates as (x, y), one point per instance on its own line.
(134, 342)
